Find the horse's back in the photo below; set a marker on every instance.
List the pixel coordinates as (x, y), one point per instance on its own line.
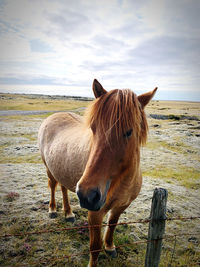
(54, 124)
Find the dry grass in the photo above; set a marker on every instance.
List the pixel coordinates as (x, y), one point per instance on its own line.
(187, 177)
(31, 215)
(25, 102)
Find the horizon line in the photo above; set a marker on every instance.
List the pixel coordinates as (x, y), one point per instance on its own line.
(90, 97)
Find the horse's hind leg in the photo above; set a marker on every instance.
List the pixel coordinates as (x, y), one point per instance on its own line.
(69, 215)
(52, 204)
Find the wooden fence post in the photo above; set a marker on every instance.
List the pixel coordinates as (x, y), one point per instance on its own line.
(156, 227)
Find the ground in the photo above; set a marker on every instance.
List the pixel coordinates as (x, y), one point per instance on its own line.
(171, 160)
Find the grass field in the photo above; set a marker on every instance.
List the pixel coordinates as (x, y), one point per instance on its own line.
(171, 159)
(34, 102)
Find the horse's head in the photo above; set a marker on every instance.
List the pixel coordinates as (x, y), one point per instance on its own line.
(118, 124)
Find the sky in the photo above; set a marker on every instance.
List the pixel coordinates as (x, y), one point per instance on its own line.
(60, 46)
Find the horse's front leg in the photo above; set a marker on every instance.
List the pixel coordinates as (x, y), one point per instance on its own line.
(108, 236)
(95, 221)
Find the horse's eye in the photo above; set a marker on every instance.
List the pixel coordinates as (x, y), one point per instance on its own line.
(128, 133)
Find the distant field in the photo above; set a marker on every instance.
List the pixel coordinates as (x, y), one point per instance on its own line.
(40, 102)
(55, 103)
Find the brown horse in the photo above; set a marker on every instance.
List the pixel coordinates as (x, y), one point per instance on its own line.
(98, 156)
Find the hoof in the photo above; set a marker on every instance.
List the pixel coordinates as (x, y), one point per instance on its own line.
(70, 219)
(112, 252)
(53, 214)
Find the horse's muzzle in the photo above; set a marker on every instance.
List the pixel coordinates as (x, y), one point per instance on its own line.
(92, 200)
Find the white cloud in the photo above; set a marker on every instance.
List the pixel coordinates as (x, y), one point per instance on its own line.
(13, 48)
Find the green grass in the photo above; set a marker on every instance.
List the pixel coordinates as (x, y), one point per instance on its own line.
(185, 176)
(181, 256)
(25, 117)
(51, 249)
(176, 146)
(33, 158)
(30, 137)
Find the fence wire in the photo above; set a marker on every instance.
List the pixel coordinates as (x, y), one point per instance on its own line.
(44, 260)
(95, 226)
(54, 258)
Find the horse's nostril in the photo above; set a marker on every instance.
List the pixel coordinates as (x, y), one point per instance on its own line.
(80, 194)
(91, 200)
(94, 196)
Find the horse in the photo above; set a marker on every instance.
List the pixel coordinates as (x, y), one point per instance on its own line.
(98, 157)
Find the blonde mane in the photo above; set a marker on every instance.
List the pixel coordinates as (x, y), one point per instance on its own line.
(117, 112)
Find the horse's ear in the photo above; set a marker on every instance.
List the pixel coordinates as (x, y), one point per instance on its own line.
(145, 98)
(98, 89)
